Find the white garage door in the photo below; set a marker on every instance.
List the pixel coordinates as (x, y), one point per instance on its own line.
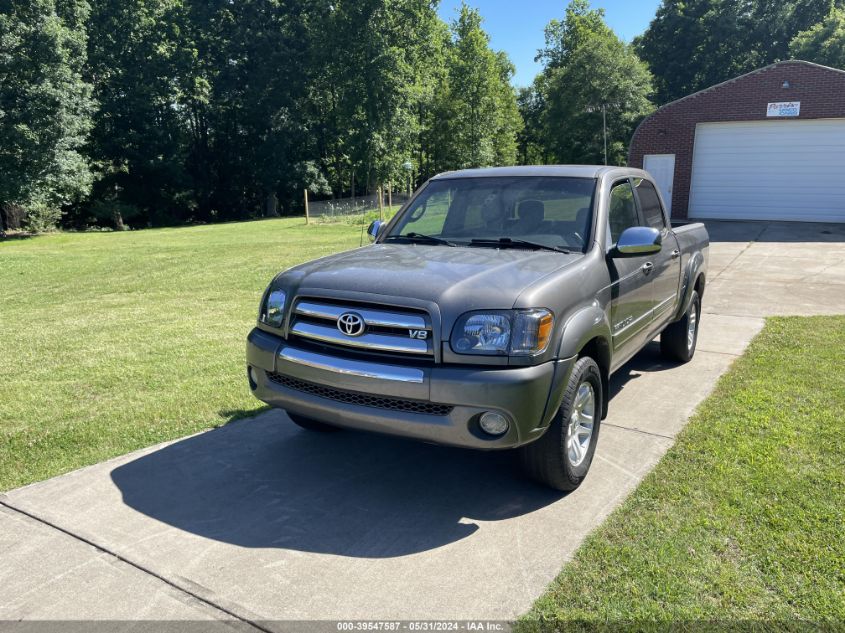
(769, 170)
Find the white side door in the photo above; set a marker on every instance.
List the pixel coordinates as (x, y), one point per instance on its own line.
(662, 169)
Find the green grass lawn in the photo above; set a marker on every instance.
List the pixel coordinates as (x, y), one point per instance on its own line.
(115, 341)
(744, 518)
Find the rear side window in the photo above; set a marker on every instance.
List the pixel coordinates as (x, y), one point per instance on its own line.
(650, 204)
(623, 210)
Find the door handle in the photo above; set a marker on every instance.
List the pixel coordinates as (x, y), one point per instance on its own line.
(676, 254)
(647, 267)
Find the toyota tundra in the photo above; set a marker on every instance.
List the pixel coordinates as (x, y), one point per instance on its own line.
(489, 313)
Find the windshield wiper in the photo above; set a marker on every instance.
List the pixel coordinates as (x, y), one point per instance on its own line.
(506, 242)
(420, 237)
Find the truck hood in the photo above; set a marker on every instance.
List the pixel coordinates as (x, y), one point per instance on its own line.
(459, 278)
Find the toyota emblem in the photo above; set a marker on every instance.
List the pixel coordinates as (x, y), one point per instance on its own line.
(351, 324)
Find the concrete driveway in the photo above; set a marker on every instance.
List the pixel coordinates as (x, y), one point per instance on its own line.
(260, 521)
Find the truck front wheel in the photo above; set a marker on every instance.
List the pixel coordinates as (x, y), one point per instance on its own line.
(561, 458)
(311, 425)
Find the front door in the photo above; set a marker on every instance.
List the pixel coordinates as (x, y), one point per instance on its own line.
(631, 293)
(662, 169)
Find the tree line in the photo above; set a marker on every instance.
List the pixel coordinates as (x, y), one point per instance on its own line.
(162, 112)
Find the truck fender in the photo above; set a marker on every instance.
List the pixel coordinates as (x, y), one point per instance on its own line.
(690, 276)
(584, 325)
(587, 324)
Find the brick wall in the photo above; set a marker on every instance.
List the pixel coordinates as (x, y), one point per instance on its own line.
(671, 130)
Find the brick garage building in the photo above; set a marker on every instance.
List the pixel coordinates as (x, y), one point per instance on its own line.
(768, 145)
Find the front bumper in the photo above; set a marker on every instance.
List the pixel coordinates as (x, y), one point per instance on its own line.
(394, 397)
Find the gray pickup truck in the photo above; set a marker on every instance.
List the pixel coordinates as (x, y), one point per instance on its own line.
(488, 313)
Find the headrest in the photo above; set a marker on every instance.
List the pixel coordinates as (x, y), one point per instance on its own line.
(491, 210)
(532, 211)
(582, 216)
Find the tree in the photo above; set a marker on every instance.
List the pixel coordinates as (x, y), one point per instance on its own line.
(823, 43)
(692, 45)
(371, 102)
(255, 132)
(137, 141)
(581, 24)
(45, 107)
(602, 73)
(477, 115)
(222, 110)
(587, 69)
(531, 142)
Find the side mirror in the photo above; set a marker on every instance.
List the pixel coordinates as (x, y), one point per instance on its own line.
(639, 240)
(375, 229)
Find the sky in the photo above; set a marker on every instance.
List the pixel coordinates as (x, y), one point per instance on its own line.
(516, 26)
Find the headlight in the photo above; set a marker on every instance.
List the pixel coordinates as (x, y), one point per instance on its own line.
(273, 310)
(520, 332)
(482, 334)
(532, 332)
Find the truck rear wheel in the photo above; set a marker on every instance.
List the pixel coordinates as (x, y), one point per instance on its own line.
(561, 458)
(678, 340)
(311, 425)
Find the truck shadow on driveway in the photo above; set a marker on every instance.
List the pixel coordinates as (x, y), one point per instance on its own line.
(265, 483)
(648, 361)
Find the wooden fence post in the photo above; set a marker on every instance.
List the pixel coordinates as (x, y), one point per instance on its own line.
(380, 205)
(306, 207)
(390, 196)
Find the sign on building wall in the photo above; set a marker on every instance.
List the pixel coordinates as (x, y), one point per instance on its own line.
(784, 108)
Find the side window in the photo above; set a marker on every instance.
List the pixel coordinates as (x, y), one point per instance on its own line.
(623, 210)
(650, 204)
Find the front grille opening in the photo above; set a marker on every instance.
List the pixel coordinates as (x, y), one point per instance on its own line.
(360, 399)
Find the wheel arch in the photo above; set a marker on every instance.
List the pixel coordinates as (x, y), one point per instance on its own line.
(694, 280)
(587, 333)
(598, 349)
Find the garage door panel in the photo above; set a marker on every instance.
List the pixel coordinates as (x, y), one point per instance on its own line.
(774, 170)
(775, 156)
(718, 178)
(739, 187)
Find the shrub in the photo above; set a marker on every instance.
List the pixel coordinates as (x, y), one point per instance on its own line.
(41, 216)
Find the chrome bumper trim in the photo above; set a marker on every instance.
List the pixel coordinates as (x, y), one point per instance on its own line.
(352, 367)
(376, 342)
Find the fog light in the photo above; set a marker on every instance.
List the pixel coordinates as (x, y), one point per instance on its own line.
(250, 374)
(494, 423)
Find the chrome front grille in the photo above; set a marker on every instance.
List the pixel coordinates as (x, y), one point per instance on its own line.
(383, 329)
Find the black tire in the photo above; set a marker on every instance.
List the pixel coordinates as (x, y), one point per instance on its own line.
(311, 425)
(675, 341)
(547, 460)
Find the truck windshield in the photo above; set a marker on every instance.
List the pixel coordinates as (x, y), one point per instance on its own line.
(515, 212)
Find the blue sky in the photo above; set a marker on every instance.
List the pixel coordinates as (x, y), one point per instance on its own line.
(516, 27)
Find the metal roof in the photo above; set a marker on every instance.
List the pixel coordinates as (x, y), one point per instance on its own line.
(571, 171)
(756, 71)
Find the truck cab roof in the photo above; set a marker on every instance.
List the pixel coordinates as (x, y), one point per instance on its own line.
(560, 171)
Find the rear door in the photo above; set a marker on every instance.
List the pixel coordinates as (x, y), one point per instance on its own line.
(666, 273)
(631, 293)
